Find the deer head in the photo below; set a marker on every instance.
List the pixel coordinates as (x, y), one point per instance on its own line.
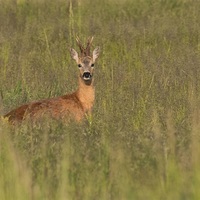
(85, 61)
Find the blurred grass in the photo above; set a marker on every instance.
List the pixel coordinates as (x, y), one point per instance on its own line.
(143, 139)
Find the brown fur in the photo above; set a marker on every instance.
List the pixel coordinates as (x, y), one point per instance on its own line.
(71, 106)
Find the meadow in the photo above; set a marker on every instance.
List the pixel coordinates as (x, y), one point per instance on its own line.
(143, 139)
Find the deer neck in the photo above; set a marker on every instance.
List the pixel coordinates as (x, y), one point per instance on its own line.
(86, 94)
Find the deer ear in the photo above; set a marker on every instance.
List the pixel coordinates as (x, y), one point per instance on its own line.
(95, 53)
(74, 54)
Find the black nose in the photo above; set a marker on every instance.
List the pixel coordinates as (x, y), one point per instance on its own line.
(86, 75)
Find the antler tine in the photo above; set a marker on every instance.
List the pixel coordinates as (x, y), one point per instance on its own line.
(90, 39)
(79, 44)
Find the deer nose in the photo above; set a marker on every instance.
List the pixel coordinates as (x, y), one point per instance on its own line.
(87, 75)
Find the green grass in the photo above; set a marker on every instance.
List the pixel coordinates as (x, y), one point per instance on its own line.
(143, 140)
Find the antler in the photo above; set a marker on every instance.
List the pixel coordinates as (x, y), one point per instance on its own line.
(90, 39)
(84, 51)
(80, 45)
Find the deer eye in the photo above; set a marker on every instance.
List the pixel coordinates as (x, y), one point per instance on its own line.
(79, 65)
(92, 65)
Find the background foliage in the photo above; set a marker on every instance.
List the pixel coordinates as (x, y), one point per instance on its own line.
(143, 139)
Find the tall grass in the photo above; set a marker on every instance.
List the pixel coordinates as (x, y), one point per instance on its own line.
(142, 141)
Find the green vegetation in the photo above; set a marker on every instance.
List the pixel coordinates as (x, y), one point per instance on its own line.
(143, 141)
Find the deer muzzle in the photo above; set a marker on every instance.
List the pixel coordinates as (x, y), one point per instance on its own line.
(87, 76)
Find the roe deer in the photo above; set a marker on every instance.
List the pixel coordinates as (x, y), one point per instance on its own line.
(70, 106)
